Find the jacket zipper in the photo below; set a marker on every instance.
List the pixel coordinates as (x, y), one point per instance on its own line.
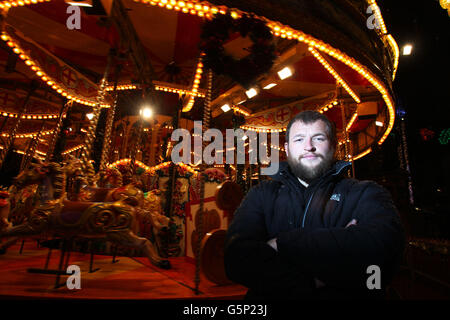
(310, 198)
(306, 210)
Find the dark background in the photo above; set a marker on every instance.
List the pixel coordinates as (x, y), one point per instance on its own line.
(421, 90)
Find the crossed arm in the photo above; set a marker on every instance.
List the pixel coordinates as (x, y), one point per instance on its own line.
(337, 256)
(318, 283)
(273, 242)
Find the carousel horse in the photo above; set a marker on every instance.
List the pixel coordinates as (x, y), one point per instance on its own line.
(154, 217)
(152, 223)
(106, 186)
(15, 206)
(4, 213)
(21, 201)
(4, 209)
(109, 178)
(55, 215)
(78, 182)
(110, 189)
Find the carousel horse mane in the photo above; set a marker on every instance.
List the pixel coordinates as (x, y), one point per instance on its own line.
(22, 201)
(73, 168)
(153, 207)
(104, 176)
(39, 173)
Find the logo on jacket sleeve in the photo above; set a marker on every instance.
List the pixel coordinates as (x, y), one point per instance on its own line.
(336, 197)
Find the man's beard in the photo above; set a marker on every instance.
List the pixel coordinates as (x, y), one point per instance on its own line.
(307, 173)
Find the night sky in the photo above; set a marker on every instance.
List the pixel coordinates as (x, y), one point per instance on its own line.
(422, 89)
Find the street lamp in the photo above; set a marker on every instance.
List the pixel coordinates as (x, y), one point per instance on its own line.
(407, 49)
(146, 112)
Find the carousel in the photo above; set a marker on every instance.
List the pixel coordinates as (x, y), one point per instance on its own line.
(91, 93)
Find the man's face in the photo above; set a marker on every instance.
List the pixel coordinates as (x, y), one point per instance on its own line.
(309, 150)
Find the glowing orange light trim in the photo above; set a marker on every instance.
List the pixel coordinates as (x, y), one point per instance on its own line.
(47, 79)
(154, 168)
(195, 85)
(362, 154)
(336, 75)
(352, 120)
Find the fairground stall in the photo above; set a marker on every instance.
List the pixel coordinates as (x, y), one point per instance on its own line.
(91, 93)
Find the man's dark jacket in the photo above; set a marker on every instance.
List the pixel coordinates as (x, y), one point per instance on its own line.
(312, 238)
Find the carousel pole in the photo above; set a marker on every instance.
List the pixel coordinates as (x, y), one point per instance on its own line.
(240, 168)
(29, 153)
(140, 129)
(109, 123)
(89, 140)
(10, 140)
(52, 145)
(344, 127)
(132, 167)
(173, 170)
(205, 126)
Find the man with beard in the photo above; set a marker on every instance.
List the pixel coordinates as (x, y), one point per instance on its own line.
(310, 232)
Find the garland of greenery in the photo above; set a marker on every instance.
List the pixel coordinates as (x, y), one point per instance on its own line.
(246, 70)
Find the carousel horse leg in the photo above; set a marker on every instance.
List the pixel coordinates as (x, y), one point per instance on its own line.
(17, 232)
(91, 260)
(21, 246)
(61, 261)
(163, 233)
(69, 248)
(47, 260)
(128, 238)
(59, 271)
(21, 230)
(115, 254)
(8, 243)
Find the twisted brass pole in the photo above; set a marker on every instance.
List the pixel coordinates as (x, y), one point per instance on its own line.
(347, 145)
(12, 136)
(136, 143)
(90, 134)
(109, 124)
(205, 126)
(51, 147)
(29, 153)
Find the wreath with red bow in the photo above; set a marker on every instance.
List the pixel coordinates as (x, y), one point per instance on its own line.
(246, 70)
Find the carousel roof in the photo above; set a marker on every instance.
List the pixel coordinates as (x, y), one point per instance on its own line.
(334, 59)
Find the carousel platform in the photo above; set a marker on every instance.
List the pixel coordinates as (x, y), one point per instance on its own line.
(126, 279)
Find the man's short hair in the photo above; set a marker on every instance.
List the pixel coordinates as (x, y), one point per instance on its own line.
(311, 116)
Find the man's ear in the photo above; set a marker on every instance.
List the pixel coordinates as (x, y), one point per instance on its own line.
(286, 149)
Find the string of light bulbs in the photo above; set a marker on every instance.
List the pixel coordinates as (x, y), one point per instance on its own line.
(43, 75)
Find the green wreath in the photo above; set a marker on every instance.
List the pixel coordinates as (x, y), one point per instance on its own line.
(246, 70)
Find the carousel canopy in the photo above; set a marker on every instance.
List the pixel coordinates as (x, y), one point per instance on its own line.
(335, 63)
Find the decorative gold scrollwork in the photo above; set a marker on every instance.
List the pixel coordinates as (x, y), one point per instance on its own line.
(102, 220)
(106, 217)
(39, 219)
